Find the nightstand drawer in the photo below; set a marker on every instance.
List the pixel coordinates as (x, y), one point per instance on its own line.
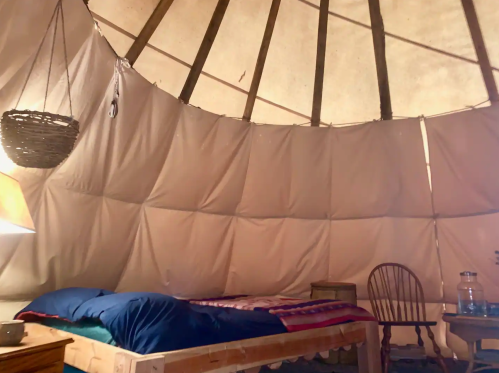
(54, 368)
(32, 362)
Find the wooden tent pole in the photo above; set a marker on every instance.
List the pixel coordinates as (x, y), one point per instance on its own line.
(481, 51)
(260, 62)
(378, 33)
(320, 62)
(145, 34)
(204, 50)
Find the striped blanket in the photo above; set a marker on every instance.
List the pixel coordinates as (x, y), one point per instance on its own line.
(295, 314)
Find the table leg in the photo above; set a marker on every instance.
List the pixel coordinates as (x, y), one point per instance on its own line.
(368, 353)
(471, 357)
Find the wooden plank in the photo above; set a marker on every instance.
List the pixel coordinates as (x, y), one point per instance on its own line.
(149, 364)
(249, 353)
(204, 50)
(260, 62)
(369, 353)
(148, 30)
(481, 51)
(378, 33)
(86, 354)
(320, 62)
(93, 356)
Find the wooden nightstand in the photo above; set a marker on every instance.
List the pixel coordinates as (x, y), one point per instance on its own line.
(34, 355)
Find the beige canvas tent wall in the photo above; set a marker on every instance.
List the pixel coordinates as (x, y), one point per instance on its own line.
(431, 59)
(191, 202)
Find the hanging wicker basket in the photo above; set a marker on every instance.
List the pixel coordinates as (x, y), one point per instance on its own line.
(37, 139)
(40, 139)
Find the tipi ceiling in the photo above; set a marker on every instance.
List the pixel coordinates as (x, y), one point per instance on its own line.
(431, 55)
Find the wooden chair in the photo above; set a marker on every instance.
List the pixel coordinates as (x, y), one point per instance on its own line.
(397, 299)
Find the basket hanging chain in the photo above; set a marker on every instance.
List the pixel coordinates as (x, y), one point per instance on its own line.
(51, 56)
(36, 57)
(66, 59)
(55, 15)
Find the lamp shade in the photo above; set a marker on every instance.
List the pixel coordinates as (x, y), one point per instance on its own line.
(14, 213)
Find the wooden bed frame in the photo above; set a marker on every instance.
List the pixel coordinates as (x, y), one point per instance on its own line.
(250, 354)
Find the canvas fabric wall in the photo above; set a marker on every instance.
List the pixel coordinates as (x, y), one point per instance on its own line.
(174, 199)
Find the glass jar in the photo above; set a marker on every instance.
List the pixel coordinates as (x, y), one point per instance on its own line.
(470, 297)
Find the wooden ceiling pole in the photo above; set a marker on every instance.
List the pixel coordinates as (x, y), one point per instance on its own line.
(204, 50)
(378, 32)
(260, 62)
(481, 51)
(145, 34)
(320, 63)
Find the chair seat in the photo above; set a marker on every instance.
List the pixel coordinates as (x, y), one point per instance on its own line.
(408, 323)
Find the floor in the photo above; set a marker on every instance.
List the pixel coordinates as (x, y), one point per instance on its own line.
(315, 366)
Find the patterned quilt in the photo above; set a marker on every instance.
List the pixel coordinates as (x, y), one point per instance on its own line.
(296, 314)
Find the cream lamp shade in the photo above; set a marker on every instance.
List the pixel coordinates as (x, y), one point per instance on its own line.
(14, 213)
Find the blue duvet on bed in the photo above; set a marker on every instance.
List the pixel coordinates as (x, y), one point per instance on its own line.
(150, 322)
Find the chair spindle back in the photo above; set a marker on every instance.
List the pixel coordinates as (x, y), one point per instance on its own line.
(396, 294)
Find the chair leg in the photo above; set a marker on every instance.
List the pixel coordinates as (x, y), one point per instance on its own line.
(383, 342)
(420, 344)
(420, 340)
(440, 358)
(385, 347)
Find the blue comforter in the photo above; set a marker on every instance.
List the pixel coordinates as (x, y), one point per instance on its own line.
(150, 322)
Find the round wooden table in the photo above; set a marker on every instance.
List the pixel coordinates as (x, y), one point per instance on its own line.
(472, 330)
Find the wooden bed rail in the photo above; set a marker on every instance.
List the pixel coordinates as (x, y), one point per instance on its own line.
(89, 355)
(249, 353)
(97, 357)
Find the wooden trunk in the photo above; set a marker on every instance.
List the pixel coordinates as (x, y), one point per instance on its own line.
(348, 293)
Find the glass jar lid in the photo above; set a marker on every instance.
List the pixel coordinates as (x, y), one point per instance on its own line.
(468, 273)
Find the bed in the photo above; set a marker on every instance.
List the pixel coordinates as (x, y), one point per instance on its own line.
(225, 350)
